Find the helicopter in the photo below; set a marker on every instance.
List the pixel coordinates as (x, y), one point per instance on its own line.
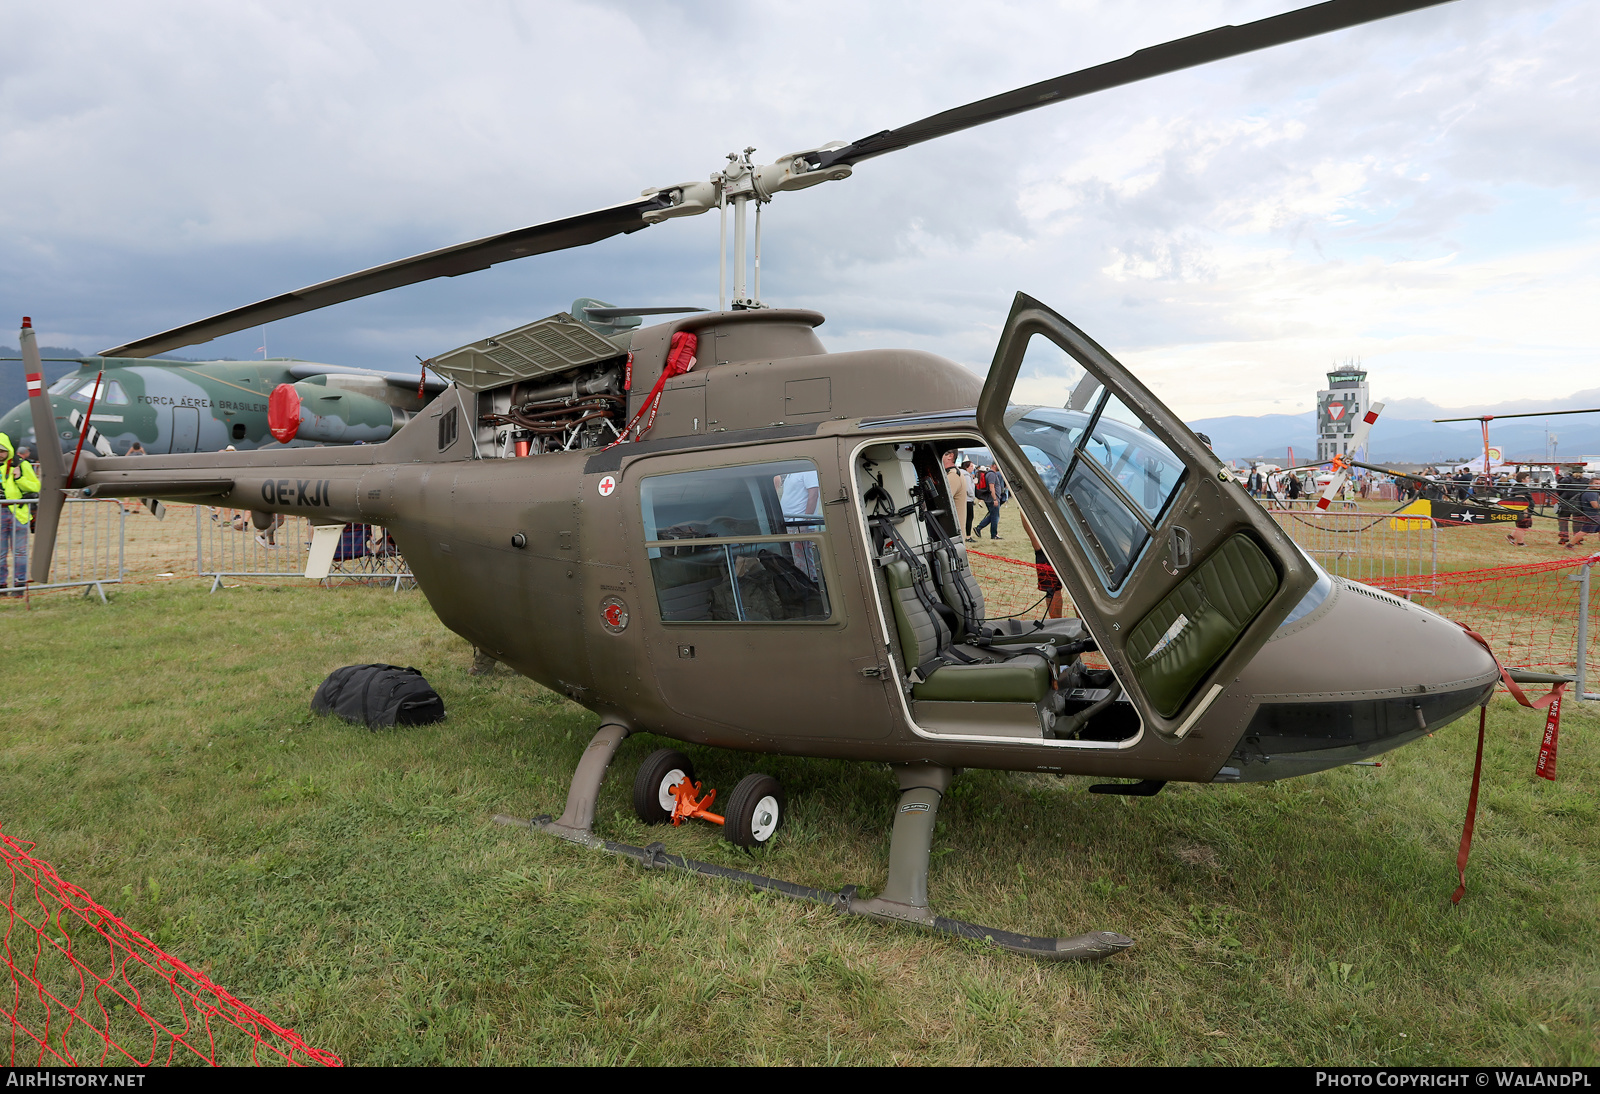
(714, 530)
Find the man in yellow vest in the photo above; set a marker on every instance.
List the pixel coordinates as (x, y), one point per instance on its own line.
(20, 481)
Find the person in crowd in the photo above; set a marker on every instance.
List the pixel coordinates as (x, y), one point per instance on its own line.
(991, 487)
(799, 493)
(1292, 488)
(1565, 491)
(972, 494)
(226, 516)
(956, 484)
(134, 449)
(1523, 493)
(1587, 520)
(20, 482)
(268, 537)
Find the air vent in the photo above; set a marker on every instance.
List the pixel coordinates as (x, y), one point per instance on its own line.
(1366, 590)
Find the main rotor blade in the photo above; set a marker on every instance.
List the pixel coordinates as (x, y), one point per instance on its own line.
(1479, 418)
(479, 254)
(1197, 49)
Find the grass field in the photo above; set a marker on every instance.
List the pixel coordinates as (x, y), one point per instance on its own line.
(350, 884)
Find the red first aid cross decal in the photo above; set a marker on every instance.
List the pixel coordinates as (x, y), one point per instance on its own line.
(607, 485)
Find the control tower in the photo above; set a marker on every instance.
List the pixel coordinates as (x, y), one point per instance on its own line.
(1340, 406)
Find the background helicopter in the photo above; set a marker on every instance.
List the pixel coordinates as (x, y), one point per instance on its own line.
(665, 584)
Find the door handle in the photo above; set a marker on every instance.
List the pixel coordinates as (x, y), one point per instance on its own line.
(1180, 551)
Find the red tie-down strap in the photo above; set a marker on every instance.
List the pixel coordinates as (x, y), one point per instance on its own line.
(1546, 767)
(680, 359)
(1552, 699)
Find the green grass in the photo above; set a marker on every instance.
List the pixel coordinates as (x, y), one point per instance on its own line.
(350, 884)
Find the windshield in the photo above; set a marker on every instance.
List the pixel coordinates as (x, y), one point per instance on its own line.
(108, 391)
(1110, 478)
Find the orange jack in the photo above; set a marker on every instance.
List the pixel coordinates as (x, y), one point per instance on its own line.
(688, 806)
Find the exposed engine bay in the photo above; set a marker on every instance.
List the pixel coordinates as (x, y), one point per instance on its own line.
(959, 666)
(586, 408)
(553, 385)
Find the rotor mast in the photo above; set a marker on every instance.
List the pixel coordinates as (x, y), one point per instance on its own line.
(741, 183)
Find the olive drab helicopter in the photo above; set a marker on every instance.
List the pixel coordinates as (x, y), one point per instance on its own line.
(603, 507)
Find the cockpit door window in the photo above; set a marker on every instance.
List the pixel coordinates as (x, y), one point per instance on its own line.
(1176, 571)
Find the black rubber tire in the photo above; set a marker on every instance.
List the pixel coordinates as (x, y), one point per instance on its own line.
(743, 825)
(647, 784)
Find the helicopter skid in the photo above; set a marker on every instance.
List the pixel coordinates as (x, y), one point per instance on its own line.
(905, 895)
(1091, 946)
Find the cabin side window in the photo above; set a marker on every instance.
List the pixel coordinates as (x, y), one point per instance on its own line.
(737, 544)
(447, 429)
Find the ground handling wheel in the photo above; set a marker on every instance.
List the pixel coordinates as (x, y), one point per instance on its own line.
(652, 787)
(755, 810)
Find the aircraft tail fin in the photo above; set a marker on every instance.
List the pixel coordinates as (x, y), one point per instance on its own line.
(52, 469)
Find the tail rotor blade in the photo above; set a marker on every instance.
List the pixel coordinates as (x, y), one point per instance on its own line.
(52, 469)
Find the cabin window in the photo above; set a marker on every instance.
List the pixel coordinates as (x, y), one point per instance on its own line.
(447, 429)
(65, 384)
(737, 544)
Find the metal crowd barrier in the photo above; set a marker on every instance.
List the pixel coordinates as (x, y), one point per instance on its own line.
(1401, 555)
(237, 548)
(89, 547)
(1305, 503)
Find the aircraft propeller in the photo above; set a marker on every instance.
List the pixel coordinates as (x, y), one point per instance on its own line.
(1342, 463)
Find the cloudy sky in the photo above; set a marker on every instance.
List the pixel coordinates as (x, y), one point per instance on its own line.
(1420, 193)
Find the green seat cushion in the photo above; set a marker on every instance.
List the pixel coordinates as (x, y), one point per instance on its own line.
(921, 636)
(1198, 622)
(1023, 679)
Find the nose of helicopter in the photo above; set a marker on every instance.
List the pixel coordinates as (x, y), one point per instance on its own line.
(1352, 673)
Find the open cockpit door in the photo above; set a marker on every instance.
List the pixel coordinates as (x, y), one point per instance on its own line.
(1177, 572)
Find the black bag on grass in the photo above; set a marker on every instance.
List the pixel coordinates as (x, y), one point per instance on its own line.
(378, 695)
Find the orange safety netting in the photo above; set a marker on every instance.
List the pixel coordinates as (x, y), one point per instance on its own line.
(1010, 586)
(87, 990)
(1528, 614)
